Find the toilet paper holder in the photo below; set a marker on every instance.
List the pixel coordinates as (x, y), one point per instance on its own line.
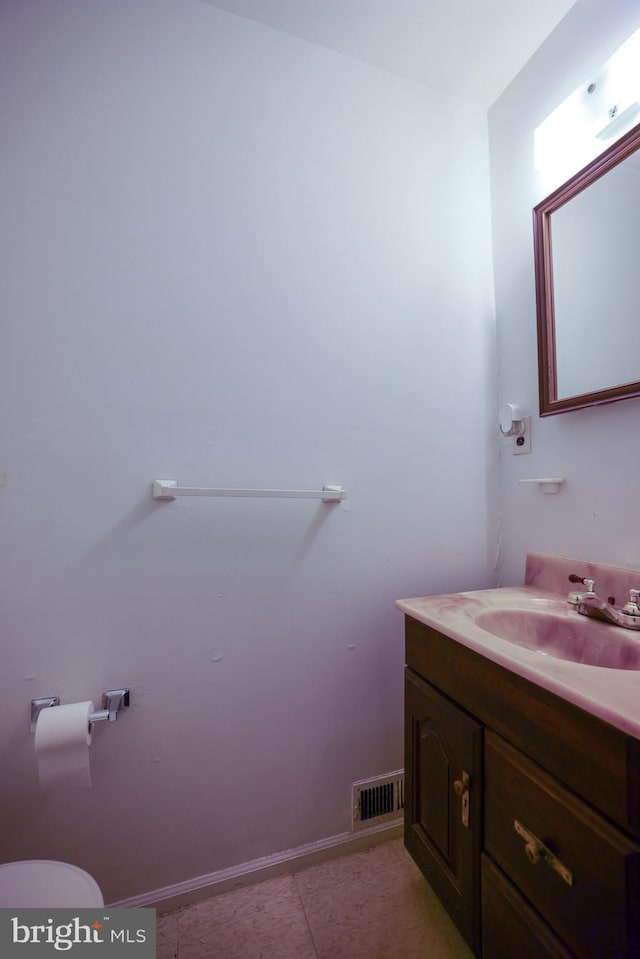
(113, 700)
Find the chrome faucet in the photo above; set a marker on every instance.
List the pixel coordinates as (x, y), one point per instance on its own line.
(587, 603)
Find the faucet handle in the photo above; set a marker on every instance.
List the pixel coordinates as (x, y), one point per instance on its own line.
(631, 608)
(589, 583)
(574, 599)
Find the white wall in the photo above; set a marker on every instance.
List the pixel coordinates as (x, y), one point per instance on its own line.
(231, 258)
(595, 449)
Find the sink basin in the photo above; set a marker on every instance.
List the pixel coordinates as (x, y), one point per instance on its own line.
(563, 636)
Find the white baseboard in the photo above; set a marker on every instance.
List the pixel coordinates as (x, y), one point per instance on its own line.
(247, 873)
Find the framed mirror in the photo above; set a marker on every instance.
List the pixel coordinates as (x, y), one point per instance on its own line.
(587, 269)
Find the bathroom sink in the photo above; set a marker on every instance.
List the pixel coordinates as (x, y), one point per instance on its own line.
(563, 636)
(533, 631)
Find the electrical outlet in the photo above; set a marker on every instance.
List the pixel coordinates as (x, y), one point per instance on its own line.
(522, 443)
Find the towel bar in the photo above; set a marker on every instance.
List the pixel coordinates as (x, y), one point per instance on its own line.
(169, 489)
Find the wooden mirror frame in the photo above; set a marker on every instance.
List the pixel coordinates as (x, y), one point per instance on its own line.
(547, 366)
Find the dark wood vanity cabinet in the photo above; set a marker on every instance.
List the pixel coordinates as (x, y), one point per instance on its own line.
(521, 809)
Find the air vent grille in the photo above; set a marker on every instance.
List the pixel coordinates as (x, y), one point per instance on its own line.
(378, 799)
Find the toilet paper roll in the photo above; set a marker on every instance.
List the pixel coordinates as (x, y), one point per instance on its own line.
(63, 737)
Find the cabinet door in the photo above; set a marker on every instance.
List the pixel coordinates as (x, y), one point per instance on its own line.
(443, 815)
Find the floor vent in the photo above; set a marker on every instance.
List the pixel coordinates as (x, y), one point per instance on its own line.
(378, 799)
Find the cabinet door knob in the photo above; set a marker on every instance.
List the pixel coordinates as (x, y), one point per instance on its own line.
(536, 851)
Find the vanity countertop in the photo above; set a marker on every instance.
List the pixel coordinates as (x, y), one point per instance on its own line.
(611, 694)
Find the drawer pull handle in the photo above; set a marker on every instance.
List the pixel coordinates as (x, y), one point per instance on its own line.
(535, 851)
(462, 787)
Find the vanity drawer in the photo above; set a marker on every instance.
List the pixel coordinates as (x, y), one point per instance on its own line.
(507, 920)
(577, 870)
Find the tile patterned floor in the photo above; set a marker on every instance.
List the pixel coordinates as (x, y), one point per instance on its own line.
(368, 905)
